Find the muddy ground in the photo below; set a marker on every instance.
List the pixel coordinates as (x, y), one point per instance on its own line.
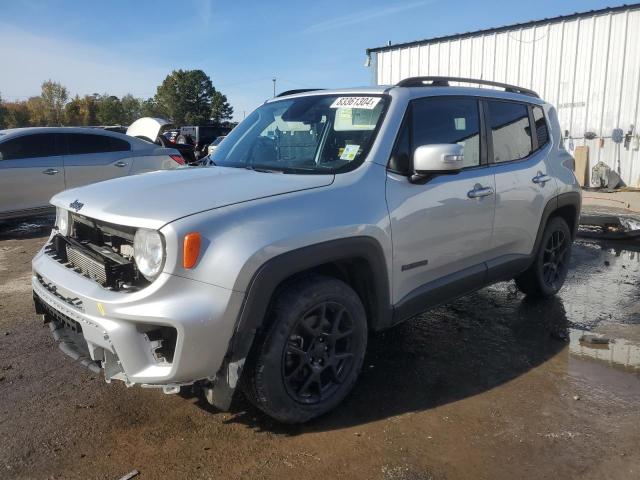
(492, 386)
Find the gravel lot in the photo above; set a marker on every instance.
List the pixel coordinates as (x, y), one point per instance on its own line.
(491, 386)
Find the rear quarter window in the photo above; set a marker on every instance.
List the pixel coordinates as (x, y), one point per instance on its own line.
(542, 130)
(119, 145)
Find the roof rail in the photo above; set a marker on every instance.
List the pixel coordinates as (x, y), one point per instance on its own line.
(297, 90)
(444, 82)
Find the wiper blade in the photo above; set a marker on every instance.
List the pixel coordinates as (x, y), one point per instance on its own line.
(262, 169)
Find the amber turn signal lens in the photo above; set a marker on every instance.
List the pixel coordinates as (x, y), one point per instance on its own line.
(191, 249)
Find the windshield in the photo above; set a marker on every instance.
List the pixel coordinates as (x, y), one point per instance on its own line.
(312, 134)
(217, 141)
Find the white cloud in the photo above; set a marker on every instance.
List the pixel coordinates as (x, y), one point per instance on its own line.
(361, 17)
(28, 59)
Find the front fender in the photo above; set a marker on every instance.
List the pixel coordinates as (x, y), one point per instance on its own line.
(273, 273)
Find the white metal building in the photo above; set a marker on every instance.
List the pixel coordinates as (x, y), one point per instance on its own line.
(586, 64)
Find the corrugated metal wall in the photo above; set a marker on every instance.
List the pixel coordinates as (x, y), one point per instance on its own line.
(588, 67)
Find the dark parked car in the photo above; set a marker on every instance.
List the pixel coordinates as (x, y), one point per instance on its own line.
(171, 135)
(200, 136)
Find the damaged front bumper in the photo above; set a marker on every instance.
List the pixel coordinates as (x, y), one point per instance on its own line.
(174, 332)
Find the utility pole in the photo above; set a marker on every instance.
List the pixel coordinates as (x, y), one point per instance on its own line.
(274, 86)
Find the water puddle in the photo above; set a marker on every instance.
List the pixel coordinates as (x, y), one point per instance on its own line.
(610, 372)
(603, 285)
(26, 228)
(616, 352)
(601, 299)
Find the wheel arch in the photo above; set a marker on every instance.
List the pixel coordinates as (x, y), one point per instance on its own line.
(359, 261)
(566, 205)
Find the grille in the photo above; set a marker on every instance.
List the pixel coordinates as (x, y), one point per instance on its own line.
(52, 314)
(51, 288)
(99, 251)
(86, 265)
(68, 333)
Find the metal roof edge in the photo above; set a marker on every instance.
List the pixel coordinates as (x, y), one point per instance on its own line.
(504, 28)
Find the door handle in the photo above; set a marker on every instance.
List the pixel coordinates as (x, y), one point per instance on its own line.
(480, 191)
(50, 171)
(121, 164)
(541, 178)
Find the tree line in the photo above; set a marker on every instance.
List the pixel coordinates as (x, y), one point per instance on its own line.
(186, 97)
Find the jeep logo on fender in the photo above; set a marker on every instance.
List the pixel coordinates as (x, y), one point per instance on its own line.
(76, 205)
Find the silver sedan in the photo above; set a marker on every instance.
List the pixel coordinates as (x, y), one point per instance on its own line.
(37, 163)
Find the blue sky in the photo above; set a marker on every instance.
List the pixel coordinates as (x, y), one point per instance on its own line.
(124, 47)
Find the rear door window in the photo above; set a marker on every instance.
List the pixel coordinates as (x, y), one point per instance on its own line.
(447, 120)
(84, 143)
(30, 146)
(510, 130)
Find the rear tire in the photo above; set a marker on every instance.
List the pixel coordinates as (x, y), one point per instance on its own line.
(547, 273)
(312, 353)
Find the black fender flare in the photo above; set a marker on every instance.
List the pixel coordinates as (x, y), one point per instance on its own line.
(573, 199)
(263, 285)
(517, 264)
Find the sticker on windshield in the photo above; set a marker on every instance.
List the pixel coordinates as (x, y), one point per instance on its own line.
(349, 152)
(367, 103)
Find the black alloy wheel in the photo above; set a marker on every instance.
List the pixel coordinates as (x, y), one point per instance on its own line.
(554, 259)
(318, 356)
(548, 270)
(309, 358)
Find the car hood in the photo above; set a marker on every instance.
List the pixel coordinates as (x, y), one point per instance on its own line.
(154, 199)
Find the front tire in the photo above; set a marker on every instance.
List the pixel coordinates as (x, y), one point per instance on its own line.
(547, 273)
(312, 353)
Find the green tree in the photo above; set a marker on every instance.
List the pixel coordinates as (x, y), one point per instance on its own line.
(149, 108)
(185, 96)
(89, 110)
(82, 111)
(37, 112)
(73, 112)
(131, 109)
(16, 114)
(54, 97)
(72, 115)
(220, 108)
(110, 110)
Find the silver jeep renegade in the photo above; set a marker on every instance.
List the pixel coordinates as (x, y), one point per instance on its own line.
(322, 217)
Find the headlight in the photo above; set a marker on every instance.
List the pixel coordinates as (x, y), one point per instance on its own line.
(148, 252)
(62, 221)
